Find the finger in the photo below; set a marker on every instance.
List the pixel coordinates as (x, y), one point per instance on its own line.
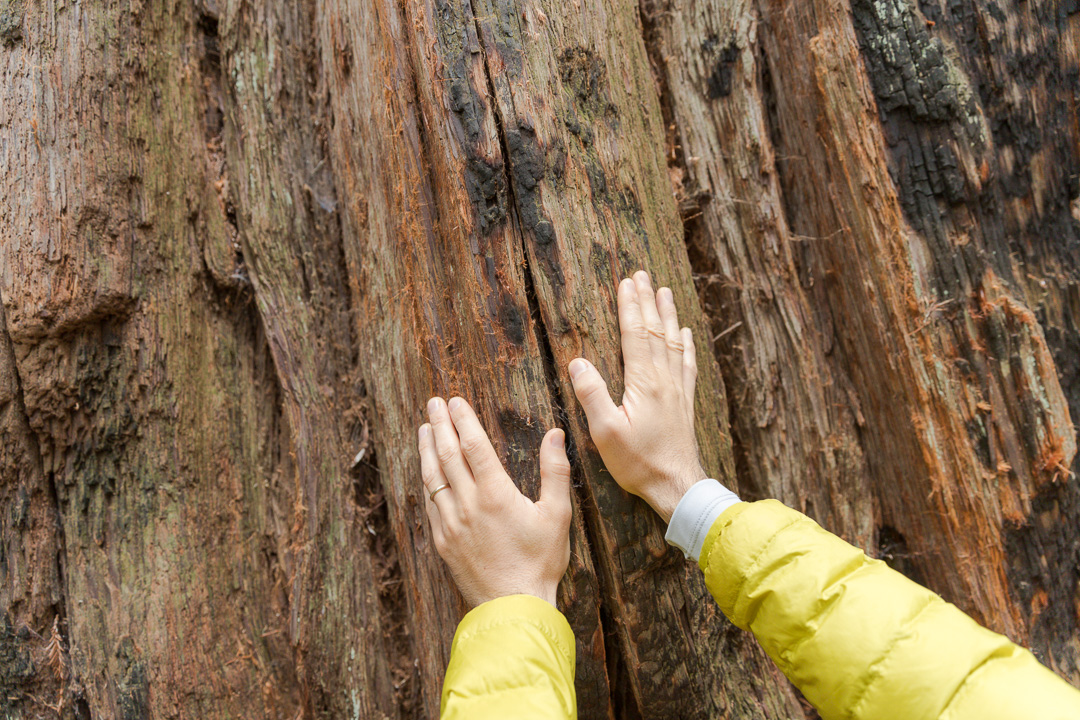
(689, 365)
(475, 444)
(665, 305)
(637, 356)
(448, 447)
(432, 475)
(555, 474)
(651, 318)
(592, 392)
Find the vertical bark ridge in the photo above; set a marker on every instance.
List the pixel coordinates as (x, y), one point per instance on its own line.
(287, 228)
(31, 557)
(945, 414)
(437, 273)
(550, 74)
(790, 410)
(143, 385)
(621, 702)
(970, 135)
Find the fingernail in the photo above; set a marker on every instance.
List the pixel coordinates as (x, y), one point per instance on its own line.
(454, 404)
(642, 275)
(577, 367)
(665, 293)
(424, 430)
(433, 405)
(558, 440)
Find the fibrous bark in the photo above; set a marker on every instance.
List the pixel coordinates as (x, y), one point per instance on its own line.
(243, 242)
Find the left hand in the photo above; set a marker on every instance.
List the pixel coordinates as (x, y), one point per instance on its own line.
(496, 541)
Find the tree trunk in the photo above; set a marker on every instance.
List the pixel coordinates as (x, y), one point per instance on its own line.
(243, 242)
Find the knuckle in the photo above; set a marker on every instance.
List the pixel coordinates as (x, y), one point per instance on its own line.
(471, 445)
(559, 470)
(590, 390)
(447, 454)
(427, 474)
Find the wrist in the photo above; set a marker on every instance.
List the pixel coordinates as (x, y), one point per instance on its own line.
(666, 495)
(546, 592)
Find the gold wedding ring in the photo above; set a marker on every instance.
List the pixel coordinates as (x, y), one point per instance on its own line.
(431, 495)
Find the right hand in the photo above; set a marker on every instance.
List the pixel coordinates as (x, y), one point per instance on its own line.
(647, 442)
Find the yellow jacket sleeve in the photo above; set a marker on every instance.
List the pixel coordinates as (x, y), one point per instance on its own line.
(860, 640)
(512, 657)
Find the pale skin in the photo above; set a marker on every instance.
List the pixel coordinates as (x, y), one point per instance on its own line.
(498, 542)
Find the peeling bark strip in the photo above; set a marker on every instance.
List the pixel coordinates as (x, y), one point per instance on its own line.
(243, 243)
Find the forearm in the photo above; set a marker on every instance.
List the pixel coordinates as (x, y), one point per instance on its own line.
(511, 657)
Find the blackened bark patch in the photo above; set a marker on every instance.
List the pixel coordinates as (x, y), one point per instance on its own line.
(513, 321)
(622, 200)
(719, 82)
(11, 16)
(132, 688)
(1044, 568)
(907, 67)
(584, 76)
(486, 185)
(527, 169)
(927, 106)
(485, 179)
(523, 438)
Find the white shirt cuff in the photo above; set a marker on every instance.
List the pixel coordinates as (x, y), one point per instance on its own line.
(695, 515)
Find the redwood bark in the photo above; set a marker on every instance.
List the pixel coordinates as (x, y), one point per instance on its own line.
(243, 242)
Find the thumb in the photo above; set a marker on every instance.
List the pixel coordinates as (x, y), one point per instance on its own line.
(592, 393)
(555, 473)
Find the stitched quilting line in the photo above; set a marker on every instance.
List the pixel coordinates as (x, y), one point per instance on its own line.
(870, 676)
(538, 624)
(968, 684)
(757, 557)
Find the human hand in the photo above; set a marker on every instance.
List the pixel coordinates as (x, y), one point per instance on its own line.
(495, 540)
(648, 442)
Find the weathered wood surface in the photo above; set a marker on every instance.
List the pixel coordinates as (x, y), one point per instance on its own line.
(242, 243)
(907, 177)
(151, 402)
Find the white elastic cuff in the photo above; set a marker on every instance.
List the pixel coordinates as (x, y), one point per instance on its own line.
(695, 515)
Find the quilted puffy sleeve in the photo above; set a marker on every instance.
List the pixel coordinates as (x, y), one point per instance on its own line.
(859, 639)
(512, 657)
